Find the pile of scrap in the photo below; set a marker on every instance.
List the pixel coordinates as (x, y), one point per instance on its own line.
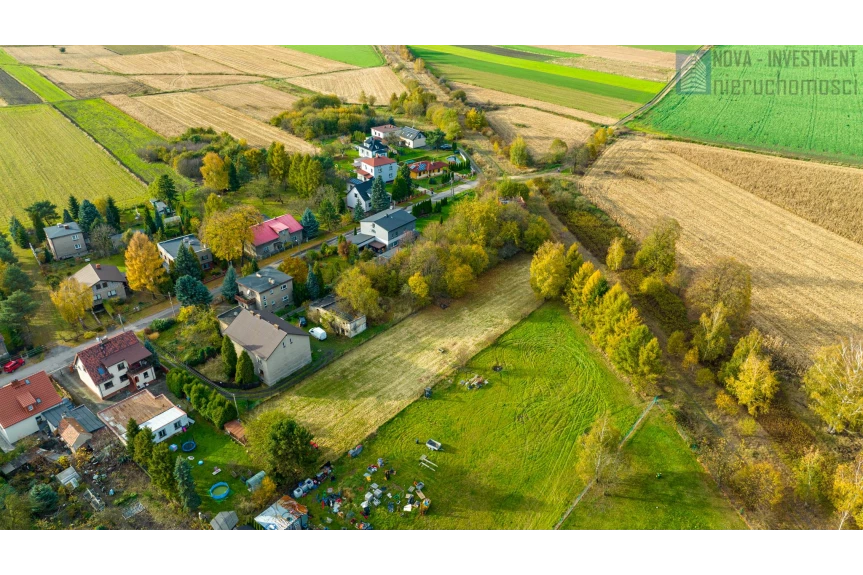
(475, 382)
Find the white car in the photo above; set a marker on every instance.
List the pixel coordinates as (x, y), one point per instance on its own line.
(318, 333)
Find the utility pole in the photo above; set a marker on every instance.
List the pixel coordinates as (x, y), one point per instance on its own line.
(174, 315)
(120, 317)
(234, 395)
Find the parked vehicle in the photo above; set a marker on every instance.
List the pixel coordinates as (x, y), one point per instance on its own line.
(13, 365)
(318, 333)
(303, 322)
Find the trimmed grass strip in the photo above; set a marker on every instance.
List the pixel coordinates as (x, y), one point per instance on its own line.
(38, 83)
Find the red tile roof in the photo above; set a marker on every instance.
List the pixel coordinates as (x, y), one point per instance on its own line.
(268, 231)
(377, 161)
(422, 167)
(123, 347)
(70, 430)
(18, 396)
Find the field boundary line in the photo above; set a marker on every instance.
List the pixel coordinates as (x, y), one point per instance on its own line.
(629, 434)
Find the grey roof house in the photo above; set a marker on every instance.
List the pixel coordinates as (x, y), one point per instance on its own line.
(268, 289)
(335, 316)
(81, 413)
(66, 241)
(359, 192)
(412, 137)
(106, 281)
(169, 248)
(372, 147)
(387, 227)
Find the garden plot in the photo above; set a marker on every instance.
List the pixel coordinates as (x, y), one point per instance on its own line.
(255, 100)
(88, 85)
(539, 129)
(173, 62)
(807, 282)
(177, 82)
(379, 82)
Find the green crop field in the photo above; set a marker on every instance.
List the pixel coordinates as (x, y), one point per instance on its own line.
(787, 109)
(510, 448)
(6, 58)
(45, 157)
(667, 47)
(362, 56)
(119, 133)
(38, 83)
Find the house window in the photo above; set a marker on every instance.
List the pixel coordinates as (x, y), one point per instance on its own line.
(109, 385)
(112, 293)
(121, 366)
(77, 246)
(75, 237)
(284, 287)
(145, 375)
(162, 433)
(264, 297)
(265, 304)
(178, 425)
(284, 298)
(97, 297)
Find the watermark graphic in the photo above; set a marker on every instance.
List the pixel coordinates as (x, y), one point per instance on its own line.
(697, 72)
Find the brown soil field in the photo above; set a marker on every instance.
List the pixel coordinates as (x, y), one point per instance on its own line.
(172, 83)
(89, 85)
(255, 100)
(829, 196)
(537, 128)
(378, 82)
(479, 95)
(637, 55)
(619, 67)
(155, 120)
(349, 399)
(245, 59)
(310, 62)
(192, 110)
(173, 62)
(75, 57)
(807, 282)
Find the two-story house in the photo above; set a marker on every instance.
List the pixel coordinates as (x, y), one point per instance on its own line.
(387, 227)
(155, 412)
(275, 235)
(276, 347)
(106, 281)
(371, 168)
(22, 403)
(115, 363)
(161, 207)
(66, 241)
(381, 132)
(412, 138)
(372, 148)
(267, 288)
(169, 248)
(359, 193)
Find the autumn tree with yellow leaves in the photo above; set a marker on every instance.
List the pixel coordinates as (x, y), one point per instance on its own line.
(215, 171)
(144, 269)
(227, 232)
(72, 299)
(548, 270)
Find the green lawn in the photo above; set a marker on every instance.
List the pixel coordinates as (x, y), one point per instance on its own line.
(216, 449)
(121, 134)
(6, 58)
(601, 83)
(362, 56)
(667, 47)
(682, 498)
(805, 122)
(543, 51)
(38, 83)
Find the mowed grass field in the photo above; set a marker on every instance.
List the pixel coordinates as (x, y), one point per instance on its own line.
(807, 282)
(36, 82)
(6, 58)
(510, 448)
(349, 399)
(362, 56)
(45, 157)
(806, 122)
(119, 133)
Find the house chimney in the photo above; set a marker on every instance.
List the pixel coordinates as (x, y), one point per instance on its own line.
(272, 281)
(257, 274)
(98, 266)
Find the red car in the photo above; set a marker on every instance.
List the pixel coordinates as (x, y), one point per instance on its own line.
(13, 365)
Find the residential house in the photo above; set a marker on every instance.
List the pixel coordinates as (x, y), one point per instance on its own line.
(412, 138)
(169, 248)
(360, 193)
(267, 288)
(421, 170)
(387, 228)
(275, 235)
(106, 281)
(73, 434)
(381, 132)
(161, 208)
(155, 412)
(334, 314)
(371, 168)
(372, 148)
(75, 425)
(115, 363)
(286, 514)
(276, 347)
(22, 404)
(66, 241)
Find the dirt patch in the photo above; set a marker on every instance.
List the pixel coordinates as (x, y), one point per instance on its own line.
(378, 82)
(636, 55)
(84, 85)
(173, 62)
(255, 100)
(537, 128)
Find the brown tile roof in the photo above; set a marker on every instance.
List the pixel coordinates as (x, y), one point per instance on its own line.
(70, 430)
(377, 161)
(260, 332)
(142, 407)
(123, 347)
(18, 397)
(92, 274)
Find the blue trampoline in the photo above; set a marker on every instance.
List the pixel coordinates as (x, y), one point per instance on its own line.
(189, 445)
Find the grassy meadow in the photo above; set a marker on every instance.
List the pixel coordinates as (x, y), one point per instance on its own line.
(6, 58)
(816, 125)
(362, 56)
(43, 87)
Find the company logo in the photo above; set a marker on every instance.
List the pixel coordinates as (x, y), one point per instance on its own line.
(696, 72)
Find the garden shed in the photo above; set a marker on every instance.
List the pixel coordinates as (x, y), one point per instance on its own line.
(255, 480)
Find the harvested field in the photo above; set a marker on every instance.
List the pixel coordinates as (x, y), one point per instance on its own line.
(88, 85)
(133, 50)
(619, 67)
(537, 128)
(255, 100)
(156, 121)
(807, 282)
(350, 398)
(307, 61)
(825, 195)
(13, 92)
(174, 62)
(623, 53)
(193, 110)
(379, 82)
(247, 60)
(172, 83)
(74, 58)
(45, 157)
(479, 95)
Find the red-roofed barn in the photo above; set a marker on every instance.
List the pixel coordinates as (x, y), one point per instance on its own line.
(275, 235)
(22, 402)
(114, 364)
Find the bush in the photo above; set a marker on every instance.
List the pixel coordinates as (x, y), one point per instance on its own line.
(726, 403)
(210, 404)
(162, 324)
(196, 357)
(89, 334)
(704, 378)
(677, 344)
(747, 427)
